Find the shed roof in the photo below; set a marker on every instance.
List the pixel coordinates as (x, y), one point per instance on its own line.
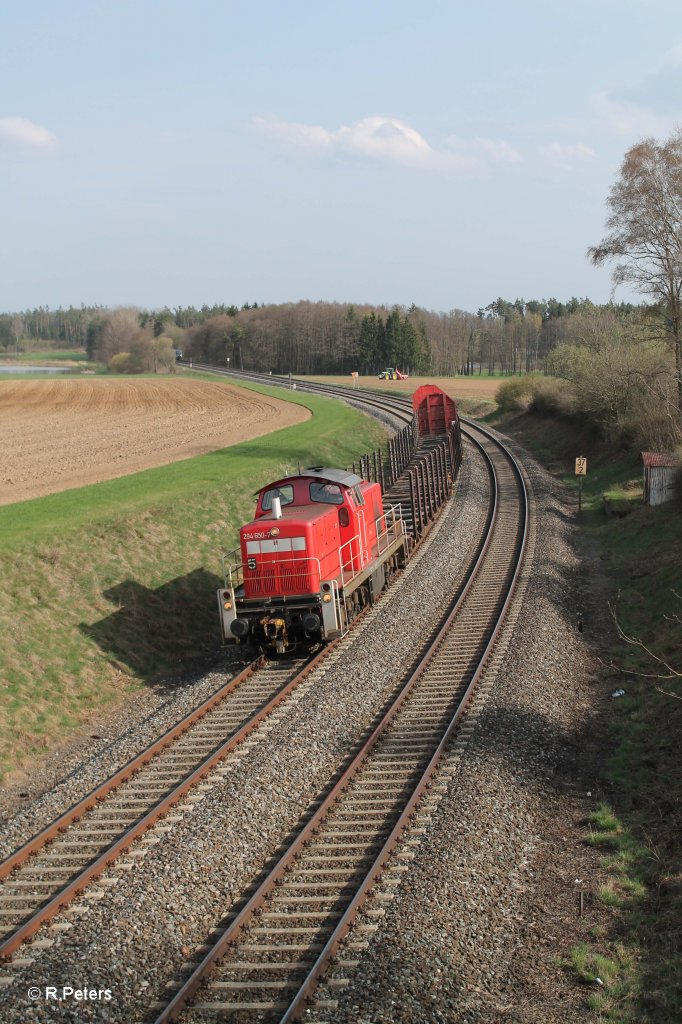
(653, 460)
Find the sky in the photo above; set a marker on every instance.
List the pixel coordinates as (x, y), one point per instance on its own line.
(168, 152)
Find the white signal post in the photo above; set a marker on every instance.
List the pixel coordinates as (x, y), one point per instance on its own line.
(580, 472)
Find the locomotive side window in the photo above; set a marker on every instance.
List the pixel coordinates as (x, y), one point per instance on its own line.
(285, 493)
(330, 494)
(358, 495)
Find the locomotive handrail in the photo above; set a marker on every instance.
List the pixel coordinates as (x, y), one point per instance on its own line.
(237, 568)
(339, 609)
(364, 552)
(347, 566)
(391, 530)
(393, 527)
(231, 553)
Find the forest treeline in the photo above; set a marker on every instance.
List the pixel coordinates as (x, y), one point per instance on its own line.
(322, 337)
(609, 365)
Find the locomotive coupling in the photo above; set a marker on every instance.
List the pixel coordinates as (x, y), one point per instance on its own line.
(275, 631)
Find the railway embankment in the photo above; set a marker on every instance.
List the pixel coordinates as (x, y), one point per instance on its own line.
(108, 591)
(630, 614)
(538, 880)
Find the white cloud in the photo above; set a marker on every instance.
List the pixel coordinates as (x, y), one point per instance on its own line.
(303, 136)
(567, 154)
(387, 139)
(21, 132)
(382, 138)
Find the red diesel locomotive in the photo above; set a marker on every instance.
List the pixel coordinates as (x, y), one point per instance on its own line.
(320, 548)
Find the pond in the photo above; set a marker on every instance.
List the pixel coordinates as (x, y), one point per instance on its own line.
(29, 368)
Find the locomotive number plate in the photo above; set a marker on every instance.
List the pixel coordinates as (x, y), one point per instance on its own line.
(251, 563)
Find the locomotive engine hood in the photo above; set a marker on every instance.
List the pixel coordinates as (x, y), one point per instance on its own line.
(291, 554)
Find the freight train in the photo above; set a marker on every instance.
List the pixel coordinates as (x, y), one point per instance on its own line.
(323, 544)
(320, 548)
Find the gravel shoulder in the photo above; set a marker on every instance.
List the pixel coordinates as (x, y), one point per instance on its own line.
(482, 927)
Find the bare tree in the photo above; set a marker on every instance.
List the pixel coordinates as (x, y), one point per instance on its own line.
(645, 232)
(17, 331)
(662, 668)
(120, 327)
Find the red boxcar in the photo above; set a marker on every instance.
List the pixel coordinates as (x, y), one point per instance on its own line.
(435, 410)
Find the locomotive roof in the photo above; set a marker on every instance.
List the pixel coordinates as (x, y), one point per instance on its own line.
(337, 476)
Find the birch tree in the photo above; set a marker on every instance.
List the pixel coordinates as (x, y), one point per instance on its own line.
(645, 232)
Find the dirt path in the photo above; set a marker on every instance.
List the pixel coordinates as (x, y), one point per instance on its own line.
(58, 434)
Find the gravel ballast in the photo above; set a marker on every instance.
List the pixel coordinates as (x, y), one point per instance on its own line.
(482, 927)
(134, 931)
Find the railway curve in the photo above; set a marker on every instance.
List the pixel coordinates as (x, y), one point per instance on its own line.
(270, 959)
(401, 410)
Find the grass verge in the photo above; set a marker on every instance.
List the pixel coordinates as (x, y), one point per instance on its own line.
(111, 587)
(77, 355)
(638, 956)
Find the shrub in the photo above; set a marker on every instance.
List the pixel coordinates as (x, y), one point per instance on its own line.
(624, 384)
(516, 394)
(553, 398)
(120, 363)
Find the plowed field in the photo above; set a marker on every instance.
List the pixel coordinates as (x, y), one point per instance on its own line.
(482, 388)
(56, 434)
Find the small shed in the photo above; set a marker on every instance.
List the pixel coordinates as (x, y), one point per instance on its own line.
(659, 474)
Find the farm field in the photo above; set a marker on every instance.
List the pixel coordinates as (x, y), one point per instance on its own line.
(483, 389)
(59, 434)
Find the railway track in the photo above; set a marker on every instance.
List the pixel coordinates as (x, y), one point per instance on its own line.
(45, 874)
(267, 962)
